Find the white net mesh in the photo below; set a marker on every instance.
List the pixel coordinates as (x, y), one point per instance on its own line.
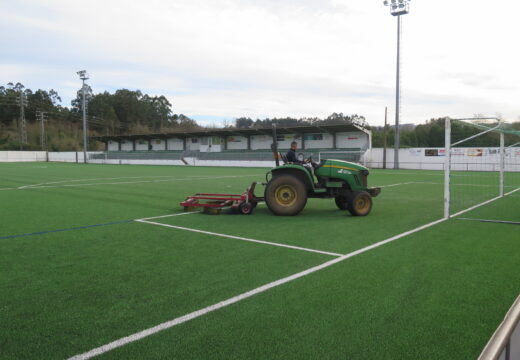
(484, 171)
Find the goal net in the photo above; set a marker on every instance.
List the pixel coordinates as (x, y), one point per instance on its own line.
(482, 170)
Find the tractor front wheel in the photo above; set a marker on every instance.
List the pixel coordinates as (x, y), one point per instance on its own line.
(285, 195)
(360, 203)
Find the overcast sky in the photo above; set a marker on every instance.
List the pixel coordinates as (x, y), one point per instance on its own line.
(222, 59)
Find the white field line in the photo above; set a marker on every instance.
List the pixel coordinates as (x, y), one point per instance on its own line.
(240, 238)
(169, 215)
(130, 182)
(392, 172)
(438, 183)
(455, 173)
(169, 324)
(38, 186)
(484, 203)
(399, 184)
(93, 179)
(492, 221)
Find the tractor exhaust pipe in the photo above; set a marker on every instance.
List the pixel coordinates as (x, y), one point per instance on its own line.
(274, 147)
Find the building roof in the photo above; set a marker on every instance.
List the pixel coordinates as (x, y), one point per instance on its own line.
(330, 128)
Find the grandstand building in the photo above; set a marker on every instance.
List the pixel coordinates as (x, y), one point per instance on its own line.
(341, 137)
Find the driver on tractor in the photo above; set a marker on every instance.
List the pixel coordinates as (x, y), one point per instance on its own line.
(291, 154)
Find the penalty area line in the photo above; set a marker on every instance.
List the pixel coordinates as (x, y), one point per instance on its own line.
(240, 238)
(165, 216)
(193, 315)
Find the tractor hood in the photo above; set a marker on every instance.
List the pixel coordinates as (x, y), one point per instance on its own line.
(345, 165)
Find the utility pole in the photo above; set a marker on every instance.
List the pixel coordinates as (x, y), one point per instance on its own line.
(41, 116)
(22, 102)
(398, 8)
(84, 76)
(385, 132)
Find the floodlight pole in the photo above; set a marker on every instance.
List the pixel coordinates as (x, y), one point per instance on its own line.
(397, 96)
(84, 76)
(84, 124)
(397, 8)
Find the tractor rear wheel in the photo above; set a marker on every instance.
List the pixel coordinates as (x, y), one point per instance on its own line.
(360, 203)
(285, 195)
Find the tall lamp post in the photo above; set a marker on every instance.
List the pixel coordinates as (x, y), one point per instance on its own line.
(398, 8)
(83, 75)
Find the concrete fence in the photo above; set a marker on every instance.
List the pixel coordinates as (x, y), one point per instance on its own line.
(466, 159)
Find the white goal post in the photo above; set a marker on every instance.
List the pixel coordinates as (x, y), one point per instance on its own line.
(480, 172)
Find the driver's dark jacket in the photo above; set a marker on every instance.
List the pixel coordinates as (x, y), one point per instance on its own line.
(291, 156)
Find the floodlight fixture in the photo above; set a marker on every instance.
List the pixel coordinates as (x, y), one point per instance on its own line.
(83, 75)
(398, 7)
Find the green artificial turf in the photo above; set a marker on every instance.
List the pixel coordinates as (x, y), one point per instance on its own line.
(438, 294)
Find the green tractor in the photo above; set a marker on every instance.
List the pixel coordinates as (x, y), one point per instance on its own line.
(291, 184)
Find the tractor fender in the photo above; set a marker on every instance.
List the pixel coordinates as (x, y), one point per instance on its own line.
(296, 171)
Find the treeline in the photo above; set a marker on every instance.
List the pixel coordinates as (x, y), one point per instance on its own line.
(132, 112)
(122, 112)
(334, 119)
(432, 134)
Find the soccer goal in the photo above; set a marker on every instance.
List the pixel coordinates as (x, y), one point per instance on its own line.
(482, 170)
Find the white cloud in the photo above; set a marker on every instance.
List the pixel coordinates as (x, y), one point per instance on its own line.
(258, 58)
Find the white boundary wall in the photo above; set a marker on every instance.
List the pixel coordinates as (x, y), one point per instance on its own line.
(22, 156)
(480, 159)
(412, 158)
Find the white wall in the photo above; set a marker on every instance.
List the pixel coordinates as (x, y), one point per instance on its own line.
(64, 156)
(190, 145)
(15, 156)
(113, 145)
(355, 139)
(408, 159)
(175, 144)
(158, 144)
(260, 142)
(141, 145)
(127, 145)
(289, 138)
(137, 162)
(237, 143)
(326, 142)
(462, 159)
(263, 142)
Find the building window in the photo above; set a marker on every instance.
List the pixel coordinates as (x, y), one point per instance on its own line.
(312, 137)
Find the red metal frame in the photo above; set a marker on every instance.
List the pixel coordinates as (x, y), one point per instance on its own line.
(219, 201)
